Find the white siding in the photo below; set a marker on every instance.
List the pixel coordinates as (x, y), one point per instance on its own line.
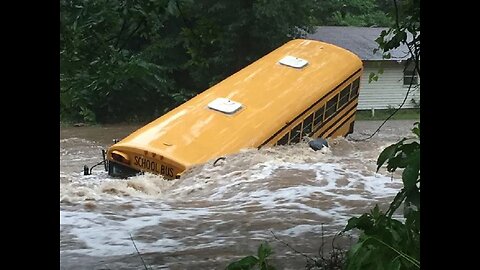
(388, 91)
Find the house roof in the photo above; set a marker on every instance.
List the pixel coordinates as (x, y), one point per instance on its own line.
(359, 40)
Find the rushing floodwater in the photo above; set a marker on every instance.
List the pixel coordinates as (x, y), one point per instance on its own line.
(216, 214)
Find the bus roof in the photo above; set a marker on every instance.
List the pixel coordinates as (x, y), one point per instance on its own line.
(270, 95)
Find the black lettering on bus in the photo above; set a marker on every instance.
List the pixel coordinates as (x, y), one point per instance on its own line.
(153, 166)
(137, 160)
(170, 172)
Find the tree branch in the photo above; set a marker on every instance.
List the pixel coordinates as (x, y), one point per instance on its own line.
(397, 24)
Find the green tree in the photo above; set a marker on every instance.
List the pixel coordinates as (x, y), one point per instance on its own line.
(222, 36)
(354, 13)
(132, 59)
(112, 59)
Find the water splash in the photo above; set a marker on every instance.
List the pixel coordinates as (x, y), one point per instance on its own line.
(291, 190)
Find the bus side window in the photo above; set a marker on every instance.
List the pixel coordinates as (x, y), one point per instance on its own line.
(295, 137)
(355, 86)
(331, 106)
(283, 140)
(344, 96)
(307, 126)
(318, 117)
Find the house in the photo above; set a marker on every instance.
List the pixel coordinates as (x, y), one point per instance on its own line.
(390, 89)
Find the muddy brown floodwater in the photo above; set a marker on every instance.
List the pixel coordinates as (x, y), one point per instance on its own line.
(215, 215)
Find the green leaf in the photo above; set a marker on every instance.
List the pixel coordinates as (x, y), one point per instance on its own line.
(364, 222)
(416, 129)
(413, 220)
(355, 248)
(395, 264)
(387, 153)
(409, 148)
(410, 175)
(372, 77)
(244, 264)
(397, 201)
(413, 197)
(351, 224)
(395, 162)
(375, 212)
(264, 250)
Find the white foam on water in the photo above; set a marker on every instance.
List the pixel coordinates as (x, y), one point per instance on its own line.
(211, 206)
(300, 229)
(105, 234)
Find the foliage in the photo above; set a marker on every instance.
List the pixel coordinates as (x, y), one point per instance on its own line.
(110, 65)
(405, 31)
(387, 243)
(131, 59)
(221, 37)
(355, 13)
(134, 60)
(254, 262)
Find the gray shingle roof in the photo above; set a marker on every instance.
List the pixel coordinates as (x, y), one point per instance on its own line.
(359, 40)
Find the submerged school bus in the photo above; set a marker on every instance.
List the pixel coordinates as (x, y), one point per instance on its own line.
(303, 88)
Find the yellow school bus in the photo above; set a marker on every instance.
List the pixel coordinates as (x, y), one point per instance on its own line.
(303, 88)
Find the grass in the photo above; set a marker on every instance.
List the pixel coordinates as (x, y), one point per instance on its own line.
(403, 114)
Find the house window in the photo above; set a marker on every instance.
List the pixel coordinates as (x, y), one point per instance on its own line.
(409, 76)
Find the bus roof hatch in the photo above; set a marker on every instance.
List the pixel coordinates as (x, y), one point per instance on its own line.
(293, 61)
(224, 105)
